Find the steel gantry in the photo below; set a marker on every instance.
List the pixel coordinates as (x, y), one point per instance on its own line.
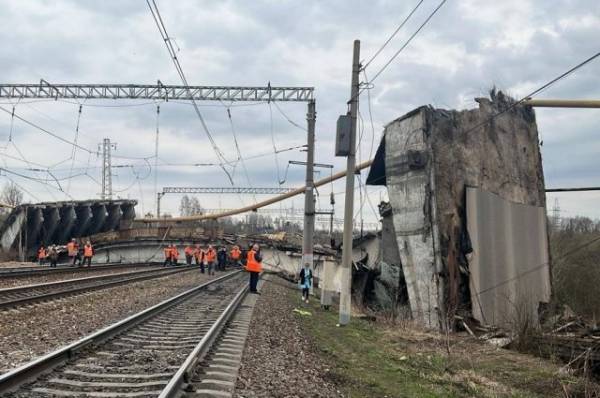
(218, 190)
(185, 92)
(226, 190)
(157, 91)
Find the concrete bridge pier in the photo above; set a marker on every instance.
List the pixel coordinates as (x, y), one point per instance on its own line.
(35, 220)
(51, 221)
(99, 215)
(67, 222)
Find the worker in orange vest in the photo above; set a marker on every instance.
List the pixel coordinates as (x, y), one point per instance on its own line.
(254, 267)
(211, 257)
(197, 254)
(168, 255)
(235, 255)
(88, 253)
(174, 254)
(73, 251)
(189, 253)
(42, 253)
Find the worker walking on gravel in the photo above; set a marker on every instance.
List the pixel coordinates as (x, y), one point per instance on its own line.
(211, 258)
(41, 254)
(88, 253)
(198, 254)
(235, 255)
(174, 255)
(53, 256)
(305, 279)
(254, 267)
(222, 258)
(168, 255)
(73, 251)
(189, 253)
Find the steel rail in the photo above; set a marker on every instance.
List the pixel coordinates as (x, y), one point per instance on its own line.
(46, 270)
(121, 279)
(183, 374)
(46, 363)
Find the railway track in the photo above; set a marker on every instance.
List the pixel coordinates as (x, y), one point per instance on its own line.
(46, 270)
(24, 295)
(153, 353)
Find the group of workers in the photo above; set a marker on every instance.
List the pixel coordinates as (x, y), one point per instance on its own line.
(77, 255)
(210, 259)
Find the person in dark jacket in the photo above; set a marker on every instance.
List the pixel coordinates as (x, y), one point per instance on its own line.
(221, 259)
(305, 280)
(53, 256)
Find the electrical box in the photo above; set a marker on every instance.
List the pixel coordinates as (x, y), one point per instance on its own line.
(342, 136)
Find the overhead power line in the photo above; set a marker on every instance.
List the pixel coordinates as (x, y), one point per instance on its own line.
(408, 41)
(393, 34)
(535, 92)
(173, 54)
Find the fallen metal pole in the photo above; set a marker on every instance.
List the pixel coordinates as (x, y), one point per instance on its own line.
(267, 202)
(560, 103)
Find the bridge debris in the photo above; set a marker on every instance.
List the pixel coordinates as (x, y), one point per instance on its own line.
(29, 225)
(456, 258)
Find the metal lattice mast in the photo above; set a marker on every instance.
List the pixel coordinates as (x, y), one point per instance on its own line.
(107, 168)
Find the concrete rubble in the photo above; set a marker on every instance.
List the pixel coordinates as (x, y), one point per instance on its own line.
(427, 159)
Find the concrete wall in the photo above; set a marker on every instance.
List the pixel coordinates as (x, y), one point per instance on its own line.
(408, 179)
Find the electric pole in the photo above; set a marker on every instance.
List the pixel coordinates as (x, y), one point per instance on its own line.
(106, 168)
(309, 200)
(346, 288)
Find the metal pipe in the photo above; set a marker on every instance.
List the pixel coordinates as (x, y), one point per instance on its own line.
(258, 205)
(573, 189)
(560, 103)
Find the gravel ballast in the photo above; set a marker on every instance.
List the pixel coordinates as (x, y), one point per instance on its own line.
(29, 332)
(63, 276)
(279, 360)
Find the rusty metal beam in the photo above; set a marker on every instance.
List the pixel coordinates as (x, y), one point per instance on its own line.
(258, 205)
(562, 103)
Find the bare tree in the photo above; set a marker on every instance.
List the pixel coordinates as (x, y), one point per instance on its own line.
(11, 194)
(190, 206)
(195, 207)
(185, 206)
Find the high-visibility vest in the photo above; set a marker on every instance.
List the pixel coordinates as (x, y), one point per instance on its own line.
(235, 253)
(42, 253)
(175, 252)
(167, 251)
(252, 265)
(211, 255)
(88, 251)
(188, 250)
(72, 249)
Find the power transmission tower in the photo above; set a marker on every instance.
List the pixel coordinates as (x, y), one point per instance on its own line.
(107, 146)
(556, 216)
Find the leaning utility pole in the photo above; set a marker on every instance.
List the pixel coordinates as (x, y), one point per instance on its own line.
(346, 282)
(106, 169)
(309, 199)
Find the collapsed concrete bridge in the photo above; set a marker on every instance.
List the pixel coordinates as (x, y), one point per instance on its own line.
(30, 225)
(467, 195)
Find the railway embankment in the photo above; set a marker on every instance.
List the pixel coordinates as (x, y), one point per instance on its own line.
(297, 347)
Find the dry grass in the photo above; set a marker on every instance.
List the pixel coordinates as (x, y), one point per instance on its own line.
(370, 359)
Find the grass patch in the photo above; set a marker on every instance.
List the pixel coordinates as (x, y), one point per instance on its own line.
(373, 360)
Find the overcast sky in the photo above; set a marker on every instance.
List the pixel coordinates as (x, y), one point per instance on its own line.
(467, 48)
